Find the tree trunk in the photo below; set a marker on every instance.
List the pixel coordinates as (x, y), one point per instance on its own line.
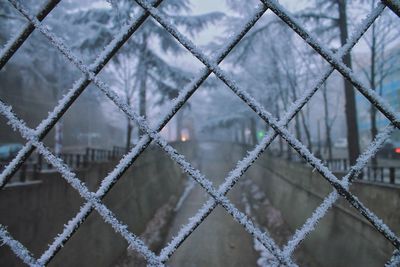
(243, 132)
(374, 130)
(328, 138)
(58, 136)
(350, 102)
(253, 131)
(306, 131)
(142, 66)
(128, 135)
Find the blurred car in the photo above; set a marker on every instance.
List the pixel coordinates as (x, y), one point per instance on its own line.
(8, 151)
(389, 151)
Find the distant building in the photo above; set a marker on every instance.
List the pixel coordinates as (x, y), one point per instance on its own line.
(390, 91)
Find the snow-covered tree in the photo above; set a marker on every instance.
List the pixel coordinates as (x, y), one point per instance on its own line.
(147, 54)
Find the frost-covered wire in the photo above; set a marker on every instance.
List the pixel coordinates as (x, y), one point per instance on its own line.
(394, 260)
(283, 132)
(107, 215)
(79, 86)
(394, 5)
(252, 156)
(329, 201)
(185, 166)
(336, 62)
(22, 252)
(14, 43)
(212, 66)
(106, 184)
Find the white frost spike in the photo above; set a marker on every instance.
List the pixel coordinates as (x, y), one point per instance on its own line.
(186, 167)
(284, 133)
(71, 178)
(395, 260)
(17, 248)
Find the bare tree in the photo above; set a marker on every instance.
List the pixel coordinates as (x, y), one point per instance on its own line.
(123, 77)
(329, 16)
(384, 59)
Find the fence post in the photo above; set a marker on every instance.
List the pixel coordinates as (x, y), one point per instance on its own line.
(40, 162)
(22, 175)
(392, 175)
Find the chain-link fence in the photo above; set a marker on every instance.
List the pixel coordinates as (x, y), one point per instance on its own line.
(93, 200)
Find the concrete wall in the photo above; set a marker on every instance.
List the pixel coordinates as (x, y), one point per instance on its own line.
(343, 237)
(36, 213)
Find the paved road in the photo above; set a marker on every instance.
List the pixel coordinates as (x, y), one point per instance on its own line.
(219, 240)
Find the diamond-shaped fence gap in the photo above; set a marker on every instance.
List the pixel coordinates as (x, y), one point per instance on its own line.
(48, 198)
(163, 68)
(225, 120)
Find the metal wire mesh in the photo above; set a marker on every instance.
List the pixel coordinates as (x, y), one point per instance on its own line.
(217, 195)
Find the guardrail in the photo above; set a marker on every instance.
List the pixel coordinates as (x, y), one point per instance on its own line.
(35, 164)
(93, 200)
(380, 174)
(377, 174)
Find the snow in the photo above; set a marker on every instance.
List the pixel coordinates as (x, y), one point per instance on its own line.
(266, 258)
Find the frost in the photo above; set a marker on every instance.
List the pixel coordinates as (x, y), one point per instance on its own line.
(268, 118)
(328, 202)
(217, 196)
(188, 188)
(17, 247)
(71, 178)
(334, 60)
(395, 260)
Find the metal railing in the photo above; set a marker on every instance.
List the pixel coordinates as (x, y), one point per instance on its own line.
(217, 195)
(31, 168)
